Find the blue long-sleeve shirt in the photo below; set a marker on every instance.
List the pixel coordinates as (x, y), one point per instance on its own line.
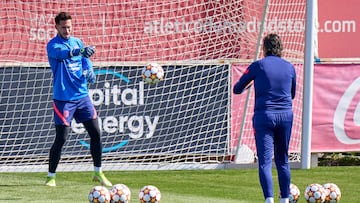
(274, 83)
(69, 82)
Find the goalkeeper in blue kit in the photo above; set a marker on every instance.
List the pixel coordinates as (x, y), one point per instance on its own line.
(72, 71)
(274, 81)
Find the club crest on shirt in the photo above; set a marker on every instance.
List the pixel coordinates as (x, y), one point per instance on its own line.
(66, 113)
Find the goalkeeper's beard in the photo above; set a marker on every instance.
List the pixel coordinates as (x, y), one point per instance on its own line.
(64, 35)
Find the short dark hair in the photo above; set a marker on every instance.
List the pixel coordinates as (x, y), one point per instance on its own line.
(62, 16)
(272, 45)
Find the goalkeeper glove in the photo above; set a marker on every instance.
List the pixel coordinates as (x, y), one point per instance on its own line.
(86, 51)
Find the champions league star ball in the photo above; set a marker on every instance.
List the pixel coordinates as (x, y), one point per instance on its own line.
(99, 194)
(315, 193)
(149, 194)
(120, 193)
(294, 194)
(333, 193)
(152, 73)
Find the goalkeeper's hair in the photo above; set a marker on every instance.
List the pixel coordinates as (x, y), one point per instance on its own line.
(272, 45)
(62, 16)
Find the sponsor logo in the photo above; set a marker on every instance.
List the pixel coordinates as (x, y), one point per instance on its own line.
(133, 126)
(339, 122)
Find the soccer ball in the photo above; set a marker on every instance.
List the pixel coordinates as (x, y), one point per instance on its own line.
(152, 73)
(99, 194)
(333, 193)
(149, 194)
(294, 193)
(120, 193)
(315, 193)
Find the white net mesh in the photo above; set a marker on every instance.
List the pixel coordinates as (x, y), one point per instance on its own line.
(189, 120)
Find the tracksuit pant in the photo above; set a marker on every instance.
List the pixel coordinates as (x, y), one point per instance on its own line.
(272, 137)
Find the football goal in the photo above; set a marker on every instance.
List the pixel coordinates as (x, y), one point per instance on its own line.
(190, 120)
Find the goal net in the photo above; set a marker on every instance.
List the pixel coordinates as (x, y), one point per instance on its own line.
(190, 120)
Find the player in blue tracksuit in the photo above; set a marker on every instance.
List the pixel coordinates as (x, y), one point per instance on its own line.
(72, 70)
(274, 81)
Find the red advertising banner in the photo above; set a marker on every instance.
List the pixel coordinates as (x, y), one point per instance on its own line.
(336, 109)
(141, 31)
(127, 30)
(338, 34)
(241, 113)
(242, 107)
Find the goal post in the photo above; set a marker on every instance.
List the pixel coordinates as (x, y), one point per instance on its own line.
(190, 120)
(310, 34)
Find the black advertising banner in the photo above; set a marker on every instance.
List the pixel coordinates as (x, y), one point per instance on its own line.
(187, 113)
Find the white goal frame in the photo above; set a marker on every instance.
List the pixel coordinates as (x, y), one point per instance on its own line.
(212, 74)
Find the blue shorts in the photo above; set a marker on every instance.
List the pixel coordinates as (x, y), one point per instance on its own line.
(82, 110)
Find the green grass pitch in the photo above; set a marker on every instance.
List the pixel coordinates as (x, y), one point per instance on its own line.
(187, 186)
